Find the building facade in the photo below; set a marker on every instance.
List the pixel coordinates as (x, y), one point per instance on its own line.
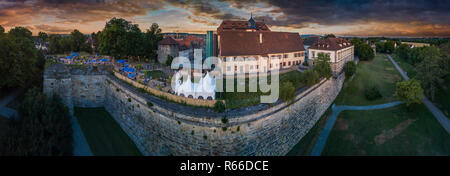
(339, 50)
(251, 47)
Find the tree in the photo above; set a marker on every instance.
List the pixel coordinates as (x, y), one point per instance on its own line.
(389, 47)
(44, 128)
(21, 32)
(409, 91)
(366, 52)
(430, 72)
(18, 58)
(287, 92)
(310, 77)
(402, 51)
(2, 30)
(151, 38)
(43, 36)
(54, 44)
(380, 47)
(219, 106)
(322, 65)
(330, 36)
(169, 60)
(350, 69)
(357, 43)
(78, 41)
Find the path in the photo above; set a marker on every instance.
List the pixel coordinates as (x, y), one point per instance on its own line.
(80, 145)
(321, 141)
(5, 111)
(442, 119)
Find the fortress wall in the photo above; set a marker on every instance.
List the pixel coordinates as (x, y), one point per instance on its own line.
(161, 129)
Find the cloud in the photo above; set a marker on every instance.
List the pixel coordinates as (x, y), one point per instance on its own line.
(51, 29)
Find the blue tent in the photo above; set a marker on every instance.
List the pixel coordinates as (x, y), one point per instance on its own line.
(69, 57)
(93, 60)
(75, 54)
(131, 75)
(121, 61)
(127, 69)
(104, 60)
(126, 65)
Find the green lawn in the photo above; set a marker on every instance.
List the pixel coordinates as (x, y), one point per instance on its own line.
(103, 134)
(379, 72)
(392, 131)
(241, 99)
(157, 74)
(305, 146)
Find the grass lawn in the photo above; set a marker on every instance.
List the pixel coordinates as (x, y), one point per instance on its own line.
(241, 99)
(305, 146)
(157, 74)
(392, 131)
(103, 134)
(380, 73)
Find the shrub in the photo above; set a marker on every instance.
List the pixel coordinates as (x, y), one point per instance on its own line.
(366, 52)
(129, 99)
(409, 91)
(219, 106)
(350, 69)
(287, 92)
(149, 104)
(224, 120)
(372, 93)
(322, 66)
(310, 77)
(44, 128)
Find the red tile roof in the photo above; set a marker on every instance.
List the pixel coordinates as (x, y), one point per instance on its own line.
(168, 41)
(239, 43)
(331, 44)
(190, 40)
(240, 25)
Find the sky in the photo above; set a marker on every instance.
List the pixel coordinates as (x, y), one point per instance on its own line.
(395, 18)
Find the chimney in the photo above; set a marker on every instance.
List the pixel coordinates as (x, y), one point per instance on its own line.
(260, 37)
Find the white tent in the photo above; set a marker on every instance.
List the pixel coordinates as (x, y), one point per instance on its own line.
(204, 89)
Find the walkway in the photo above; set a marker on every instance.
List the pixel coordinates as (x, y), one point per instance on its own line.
(80, 145)
(5, 111)
(321, 141)
(442, 119)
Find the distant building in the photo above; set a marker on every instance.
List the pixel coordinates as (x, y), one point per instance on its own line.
(254, 42)
(414, 44)
(307, 43)
(167, 46)
(339, 50)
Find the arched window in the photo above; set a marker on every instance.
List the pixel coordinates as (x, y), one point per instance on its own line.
(200, 97)
(209, 98)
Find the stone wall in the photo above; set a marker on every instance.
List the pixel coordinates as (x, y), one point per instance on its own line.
(164, 128)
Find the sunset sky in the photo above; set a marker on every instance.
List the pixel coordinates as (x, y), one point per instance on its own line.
(399, 18)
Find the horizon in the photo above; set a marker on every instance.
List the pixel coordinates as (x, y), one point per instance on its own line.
(412, 19)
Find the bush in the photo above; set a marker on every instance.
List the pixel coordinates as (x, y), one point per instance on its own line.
(287, 92)
(350, 69)
(372, 93)
(310, 77)
(409, 91)
(366, 52)
(322, 66)
(44, 127)
(219, 106)
(149, 104)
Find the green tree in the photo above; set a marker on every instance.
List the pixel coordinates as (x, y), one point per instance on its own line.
(430, 72)
(18, 59)
(409, 91)
(350, 69)
(21, 32)
(219, 106)
(310, 77)
(77, 41)
(43, 129)
(151, 38)
(389, 47)
(322, 65)
(54, 44)
(330, 36)
(366, 52)
(169, 60)
(287, 92)
(403, 51)
(2, 30)
(380, 47)
(357, 43)
(43, 36)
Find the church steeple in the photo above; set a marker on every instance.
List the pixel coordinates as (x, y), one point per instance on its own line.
(251, 22)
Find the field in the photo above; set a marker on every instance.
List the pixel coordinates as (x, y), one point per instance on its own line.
(393, 131)
(242, 99)
(103, 134)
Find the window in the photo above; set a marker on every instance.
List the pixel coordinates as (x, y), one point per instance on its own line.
(241, 68)
(251, 67)
(289, 63)
(270, 65)
(286, 56)
(313, 53)
(284, 64)
(228, 68)
(235, 68)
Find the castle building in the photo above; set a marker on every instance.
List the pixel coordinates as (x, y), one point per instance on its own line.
(339, 50)
(250, 47)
